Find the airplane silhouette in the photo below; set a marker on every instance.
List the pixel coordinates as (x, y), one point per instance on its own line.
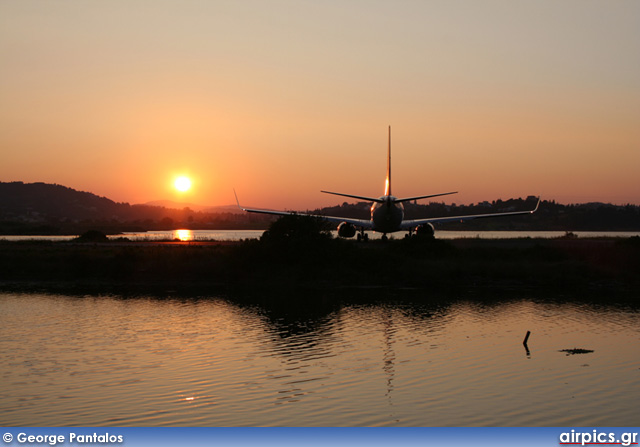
(387, 213)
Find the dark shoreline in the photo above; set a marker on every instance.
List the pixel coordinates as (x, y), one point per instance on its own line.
(464, 267)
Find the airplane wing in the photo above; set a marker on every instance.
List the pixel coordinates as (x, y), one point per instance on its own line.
(407, 224)
(367, 224)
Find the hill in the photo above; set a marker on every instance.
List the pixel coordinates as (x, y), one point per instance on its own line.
(40, 208)
(35, 202)
(551, 216)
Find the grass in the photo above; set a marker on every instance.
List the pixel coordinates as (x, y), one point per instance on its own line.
(578, 266)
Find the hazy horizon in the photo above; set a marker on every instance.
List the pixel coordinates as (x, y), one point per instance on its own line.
(279, 100)
(448, 200)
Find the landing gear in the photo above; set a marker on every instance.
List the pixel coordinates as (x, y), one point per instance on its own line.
(384, 237)
(362, 236)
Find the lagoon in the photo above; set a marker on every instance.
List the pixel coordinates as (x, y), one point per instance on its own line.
(238, 235)
(331, 359)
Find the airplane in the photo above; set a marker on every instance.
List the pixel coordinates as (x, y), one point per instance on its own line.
(387, 213)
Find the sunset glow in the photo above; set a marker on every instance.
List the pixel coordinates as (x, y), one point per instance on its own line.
(183, 235)
(182, 184)
(493, 99)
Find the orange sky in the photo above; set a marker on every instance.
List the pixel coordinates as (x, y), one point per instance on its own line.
(281, 99)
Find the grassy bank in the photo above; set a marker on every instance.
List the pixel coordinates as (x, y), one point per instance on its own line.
(579, 266)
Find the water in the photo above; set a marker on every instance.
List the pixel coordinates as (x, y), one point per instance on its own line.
(236, 235)
(109, 360)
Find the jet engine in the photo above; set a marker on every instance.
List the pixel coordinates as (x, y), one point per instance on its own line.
(425, 230)
(345, 229)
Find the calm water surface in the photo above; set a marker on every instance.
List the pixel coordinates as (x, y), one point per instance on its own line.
(148, 361)
(236, 235)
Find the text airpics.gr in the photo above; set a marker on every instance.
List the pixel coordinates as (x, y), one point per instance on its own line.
(74, 438)
(596, 437)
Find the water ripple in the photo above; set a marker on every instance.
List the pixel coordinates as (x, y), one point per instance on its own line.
(143, 361)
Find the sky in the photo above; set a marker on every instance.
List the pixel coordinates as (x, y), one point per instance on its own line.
(280, 99)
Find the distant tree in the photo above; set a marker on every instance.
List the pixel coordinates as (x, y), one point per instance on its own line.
(167, 222)
(93, 236)
(295, 228)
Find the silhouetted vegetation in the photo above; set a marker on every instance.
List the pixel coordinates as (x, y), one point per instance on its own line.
(550, 216)
(92, 236)
(39, 208)
(574, 351)
(298, 230)
(578, 267)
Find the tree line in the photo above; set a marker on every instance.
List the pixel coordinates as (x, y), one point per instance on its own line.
(40, 208)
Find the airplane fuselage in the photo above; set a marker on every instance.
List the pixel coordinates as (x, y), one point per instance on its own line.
(387, 214)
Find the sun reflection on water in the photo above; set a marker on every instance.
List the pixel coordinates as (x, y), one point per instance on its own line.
(183, 235)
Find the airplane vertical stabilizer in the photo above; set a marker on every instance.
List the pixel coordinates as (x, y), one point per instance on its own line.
(387, 212)
(387, 186)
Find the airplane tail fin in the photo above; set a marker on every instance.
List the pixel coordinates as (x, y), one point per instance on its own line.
(387, 185)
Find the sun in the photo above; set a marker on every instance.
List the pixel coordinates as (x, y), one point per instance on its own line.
(182, 184)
